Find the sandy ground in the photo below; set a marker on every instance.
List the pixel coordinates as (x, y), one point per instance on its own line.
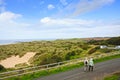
(12, 61)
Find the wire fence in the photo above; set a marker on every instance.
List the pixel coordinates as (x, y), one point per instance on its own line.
(34, 69)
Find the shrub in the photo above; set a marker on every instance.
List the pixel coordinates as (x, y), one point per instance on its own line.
(105, 50)
(1, 67)
(93, 50)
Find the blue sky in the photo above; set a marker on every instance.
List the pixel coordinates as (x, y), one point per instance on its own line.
(46, 19)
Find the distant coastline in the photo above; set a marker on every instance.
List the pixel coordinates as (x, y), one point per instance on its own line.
(6, 42)
(13, 41)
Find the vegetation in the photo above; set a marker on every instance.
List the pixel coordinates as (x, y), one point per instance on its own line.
(1, 67)
(111, 41)
(115, 76)
(21, 65)
(46, 51)
(56, 51)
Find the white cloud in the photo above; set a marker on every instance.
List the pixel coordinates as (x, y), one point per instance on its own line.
(64, 2)
(82, 6)
(86, 6)
(66, 22)
(50, 6)
(45, 20)
(78, 31)
(71, 28)
(10, 27)
(8, 16)
(49, 27)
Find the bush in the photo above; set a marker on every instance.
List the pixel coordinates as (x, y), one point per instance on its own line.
(93, 50)
(105, 50)
(69, 55)
(1, 67)
(21, 65)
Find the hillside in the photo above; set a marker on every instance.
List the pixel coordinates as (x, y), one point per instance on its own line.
(107, 41)
(51, 51)
(96, 38)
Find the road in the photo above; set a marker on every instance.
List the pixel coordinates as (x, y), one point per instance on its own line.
(100, 70)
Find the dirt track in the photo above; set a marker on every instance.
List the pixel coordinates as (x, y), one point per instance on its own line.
(100, 70)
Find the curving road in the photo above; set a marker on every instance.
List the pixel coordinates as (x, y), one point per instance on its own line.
(100, 70)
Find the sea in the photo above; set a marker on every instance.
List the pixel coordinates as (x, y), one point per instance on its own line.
(5, 42)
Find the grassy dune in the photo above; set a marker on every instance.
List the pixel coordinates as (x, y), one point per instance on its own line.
(53, 51)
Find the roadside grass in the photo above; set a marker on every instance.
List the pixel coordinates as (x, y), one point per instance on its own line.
(59, 69)
(114, 76)
(107, 58)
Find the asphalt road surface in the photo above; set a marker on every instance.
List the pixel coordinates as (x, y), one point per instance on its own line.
(100, 70)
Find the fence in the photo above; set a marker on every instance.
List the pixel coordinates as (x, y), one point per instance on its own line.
(28, 70)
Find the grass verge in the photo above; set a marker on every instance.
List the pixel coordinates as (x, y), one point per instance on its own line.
(114, 76)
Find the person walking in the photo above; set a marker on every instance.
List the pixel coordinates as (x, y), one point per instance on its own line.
(86, 64)
(91, 64)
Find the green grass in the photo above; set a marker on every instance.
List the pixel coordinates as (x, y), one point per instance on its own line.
(113, 77)
(107, 58)
(58, 70)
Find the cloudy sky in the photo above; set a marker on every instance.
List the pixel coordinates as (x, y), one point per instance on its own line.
(48, 19)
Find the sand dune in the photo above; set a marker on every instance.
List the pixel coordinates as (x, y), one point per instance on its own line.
(12, 61)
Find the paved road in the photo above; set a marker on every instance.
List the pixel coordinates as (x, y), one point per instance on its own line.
(100, 70)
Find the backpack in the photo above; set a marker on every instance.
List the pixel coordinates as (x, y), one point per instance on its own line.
(86, 62)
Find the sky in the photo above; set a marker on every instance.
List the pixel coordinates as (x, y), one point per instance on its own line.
(59, 19)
